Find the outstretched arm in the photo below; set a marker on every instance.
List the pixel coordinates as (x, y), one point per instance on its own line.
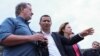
(77, 37)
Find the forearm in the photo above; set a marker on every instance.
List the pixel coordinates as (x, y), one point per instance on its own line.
(73, 40)
(14, 40)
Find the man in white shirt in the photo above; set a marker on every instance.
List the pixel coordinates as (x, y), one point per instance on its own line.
(56, 41)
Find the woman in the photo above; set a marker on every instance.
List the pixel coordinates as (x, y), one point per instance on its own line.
(66, 31)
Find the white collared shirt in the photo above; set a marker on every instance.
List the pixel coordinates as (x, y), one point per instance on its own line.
(53, 50)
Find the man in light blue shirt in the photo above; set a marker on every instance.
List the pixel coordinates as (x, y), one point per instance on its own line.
(16, 36)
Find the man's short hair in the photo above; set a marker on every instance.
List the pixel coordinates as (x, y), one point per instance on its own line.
(20, 7)
(44, 16)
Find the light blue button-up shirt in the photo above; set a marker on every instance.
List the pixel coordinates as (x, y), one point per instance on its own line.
(17, 26)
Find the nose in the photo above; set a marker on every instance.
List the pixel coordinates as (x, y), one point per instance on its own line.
(46, 22)
(32, 13)
(70, 29)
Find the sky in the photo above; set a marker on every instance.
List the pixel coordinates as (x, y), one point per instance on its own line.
(81, 14)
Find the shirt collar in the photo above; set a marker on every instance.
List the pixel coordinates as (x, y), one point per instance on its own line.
(22, 19)
(46, 33)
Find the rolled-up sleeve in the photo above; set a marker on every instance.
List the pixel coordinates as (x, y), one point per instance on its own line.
(6, 29)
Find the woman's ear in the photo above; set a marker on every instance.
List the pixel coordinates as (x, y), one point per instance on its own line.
(63, 30)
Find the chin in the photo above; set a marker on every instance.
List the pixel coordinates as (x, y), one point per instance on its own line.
(29, 18)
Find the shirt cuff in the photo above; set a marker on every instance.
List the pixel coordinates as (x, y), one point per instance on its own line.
(3, 36)
(80, 35)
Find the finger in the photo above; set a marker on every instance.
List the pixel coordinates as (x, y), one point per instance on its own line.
(90, 33)
(40, 34)
(89, 29)
(45, 38)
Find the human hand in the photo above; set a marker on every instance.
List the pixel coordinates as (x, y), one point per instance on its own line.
(37, 37)
(86, 32)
